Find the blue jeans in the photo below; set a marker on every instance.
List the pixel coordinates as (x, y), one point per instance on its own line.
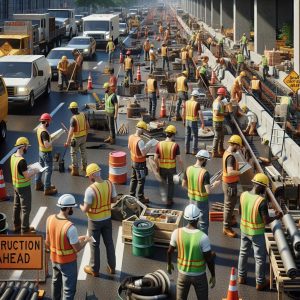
(152, 66)
(259, 248)
(152, 104)
(62, 78)
(165, 61)
(110, 56)
(64, 276)
(203, 223)
(182, 96)
(46, 160)
(191, 126)
(129, 74)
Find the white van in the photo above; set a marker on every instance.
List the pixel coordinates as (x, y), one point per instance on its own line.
(26, 77)
(101, 27)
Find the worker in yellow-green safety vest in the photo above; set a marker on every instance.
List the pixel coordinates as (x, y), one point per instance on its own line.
(221, 46)
(254, 218)
(197, 181)
(265, 66)
(201, 74)
(244, 43)
(194, 253)
(110, 48)
(240, 62)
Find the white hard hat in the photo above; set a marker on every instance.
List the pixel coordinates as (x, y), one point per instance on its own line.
(203, 154)
(195, 93)
(66, 200)
(191, 212)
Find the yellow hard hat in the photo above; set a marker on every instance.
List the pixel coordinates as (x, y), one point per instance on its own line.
(22, 141)
(235, 139)
(91, 169)
(185, 73)
(170, 129)
(261, 179)
(243, 74)
(142, 125)
(244, 108)
(106, 85)
(73, 105)
(254, 77)
(64, 58)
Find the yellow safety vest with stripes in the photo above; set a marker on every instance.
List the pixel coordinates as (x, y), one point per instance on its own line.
(80, 128)
(180, 86)
(150, 85)
(191, 111)
(221, 110)
(18, 180)
(196, 188)
(167, 156)
(42, 147)
(128, 63)
(164, 51)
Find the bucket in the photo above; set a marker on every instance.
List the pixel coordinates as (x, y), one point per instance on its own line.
(117, 167)
(3, 224)
(142, 238)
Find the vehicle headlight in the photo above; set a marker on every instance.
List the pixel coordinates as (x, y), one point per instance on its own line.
(22, 90)
(86, 50)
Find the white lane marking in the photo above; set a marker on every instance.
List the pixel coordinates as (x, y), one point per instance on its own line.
(16, 275)
(84, 261)
(126, 39)
(8, 155)
(52, 113)
(119, 252)
(95, 68)
(99, 63)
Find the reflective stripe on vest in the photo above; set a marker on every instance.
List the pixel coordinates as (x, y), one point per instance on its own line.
(255, 84)
(251, 220)
(184, 55)
(221, 110)
(167, 156)
(196, 188)
(227, 178)
(190, 257)
(128, 63)
(100, 208)
(18, 180)
(191, 110)
(42, 147)
(80, 128)
(61, 251)
(164, 51)
(180, 86)
(240, 58)
(135, 152)
(150, 85)
(109, 106)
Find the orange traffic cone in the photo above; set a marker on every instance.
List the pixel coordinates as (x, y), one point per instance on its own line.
(3, 194)
(163, 111)
(232, 293)
(90, 82)
(138, 74)
(213, 78)
(121, 57)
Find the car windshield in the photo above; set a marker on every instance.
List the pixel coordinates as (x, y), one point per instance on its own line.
(59, 13)
(58, 54)
(122, 25)
(14, 43)
(96, 26)
(15, 69)
(79, 42)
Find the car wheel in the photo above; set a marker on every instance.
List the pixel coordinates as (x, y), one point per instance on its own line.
(48, 89)
(31, 101)
(3, 131)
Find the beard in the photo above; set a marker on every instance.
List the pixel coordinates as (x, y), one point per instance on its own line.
(70, 213)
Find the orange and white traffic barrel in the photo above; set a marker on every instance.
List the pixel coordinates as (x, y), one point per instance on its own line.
(117, 167)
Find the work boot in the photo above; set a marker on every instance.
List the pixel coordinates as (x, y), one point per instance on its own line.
(39, 186)
(110, 270)
(215, 154)
(107, 140)
(74, 171)
(242, 280)
(29, 230)
(229, 232)
(144, 200)
(263, 286)
(89, 270)
(50, 191)
(112, 141)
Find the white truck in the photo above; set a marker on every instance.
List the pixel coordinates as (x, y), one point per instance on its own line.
(101, 27)
(65, 17)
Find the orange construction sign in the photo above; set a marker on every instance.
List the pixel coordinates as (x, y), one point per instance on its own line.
(293, 81)
(21, 252)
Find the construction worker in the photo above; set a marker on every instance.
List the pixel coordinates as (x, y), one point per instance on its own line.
(178, 36)
(167, 34)
(146, 47)
(209, 42)
(201, 72)
(165, 55)
(128, 66)
(194, 253)
(146, 31)
(21, 179)
(218, 123)
(138, 152)
(236, 90)
(97, 206)
(160, 31)
(193, 39)
(77, 136)
(255, 87)
(152, 57)
(110, 48)
(151, 90)
(113, 80)
(221, 43)
(181, 88)
(244, 43)
(167, 155)
(62, 68)
(191, 113)
(45, 156)
(252, 121)
(240, 62)
(78, 57)
(230, 180)
(63, 243)
(197, 181)
(254, 218)
(265, 65)
(184, 55)
(199, 42)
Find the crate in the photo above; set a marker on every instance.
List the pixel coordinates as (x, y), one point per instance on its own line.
(127, 225)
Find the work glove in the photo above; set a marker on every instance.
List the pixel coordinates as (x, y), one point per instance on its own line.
(170, 268)
(212, 282)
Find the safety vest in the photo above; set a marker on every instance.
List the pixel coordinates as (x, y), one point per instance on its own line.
(110, 46)
(152, 56)
(190, 257)
(61, 251)
(237, 82)
(63, 66)
(150, 85)
(226, 178)
(135, 152)
(196, 189)
(191, 110)
(193, 38)
(164, 51)
(80, 128)
(167, 155)
(251, 221)
(264, 61)
(128, 63)
(255, 84)
(18, 180)
(244, 40)
(146, 46)
(240, 58)
(109, 106)
(184, 55)
(221, 110)
(180, 86)
(203, 70)
(285, 100)
(42, 147)
(191, 53)
(100, 208)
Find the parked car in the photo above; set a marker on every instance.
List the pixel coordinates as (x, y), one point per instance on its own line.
(26, 77)
(123, 28)
(86, 45)
(3, 109)
(78, 21)
(55, 56)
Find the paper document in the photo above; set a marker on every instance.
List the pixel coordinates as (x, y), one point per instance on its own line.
(245, 167)
(37, 166)
(57, 134)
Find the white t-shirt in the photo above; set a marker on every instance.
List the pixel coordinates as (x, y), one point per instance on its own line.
(72, 235)
(204, 245)
(252, 118)
(217, 106)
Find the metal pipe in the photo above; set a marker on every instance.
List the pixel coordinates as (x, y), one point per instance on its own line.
(271, 196)
(8, 292)
(16, 290)
(23, 292)
(2, 287)
(284, 250)
(292, 230)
